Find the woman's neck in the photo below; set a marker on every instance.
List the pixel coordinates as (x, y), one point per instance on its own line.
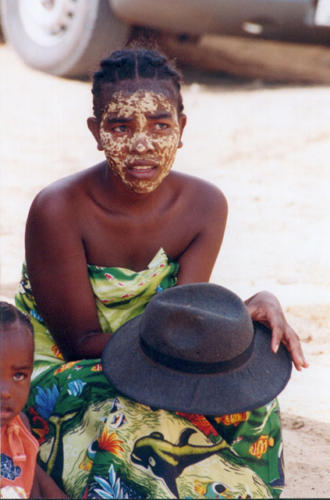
(116, 194)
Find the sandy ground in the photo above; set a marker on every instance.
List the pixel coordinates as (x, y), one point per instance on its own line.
(268, 148)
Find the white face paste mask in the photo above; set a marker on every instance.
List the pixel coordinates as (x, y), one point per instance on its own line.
(141, 151)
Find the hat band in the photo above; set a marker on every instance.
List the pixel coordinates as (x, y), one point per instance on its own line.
(184, 365)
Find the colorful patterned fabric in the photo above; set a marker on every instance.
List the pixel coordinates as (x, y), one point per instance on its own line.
(96, 443)
(18, 458)
(120, 295)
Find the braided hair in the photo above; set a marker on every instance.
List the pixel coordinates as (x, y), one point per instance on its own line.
(134, 64)
(9, 315)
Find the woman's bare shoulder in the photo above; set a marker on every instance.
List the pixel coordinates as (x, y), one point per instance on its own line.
(62, 195)
(200, 192)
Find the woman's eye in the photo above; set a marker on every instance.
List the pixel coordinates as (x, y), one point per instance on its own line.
(120, 128)
(18, 377)
(161, 126)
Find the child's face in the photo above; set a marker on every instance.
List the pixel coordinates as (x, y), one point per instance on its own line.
(140, 132)
(16, 356)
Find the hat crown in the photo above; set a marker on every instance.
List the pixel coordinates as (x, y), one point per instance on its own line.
(199, 326)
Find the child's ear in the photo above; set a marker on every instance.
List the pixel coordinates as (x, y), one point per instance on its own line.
(93, 126)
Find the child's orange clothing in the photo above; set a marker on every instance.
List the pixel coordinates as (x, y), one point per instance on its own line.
(18, 459)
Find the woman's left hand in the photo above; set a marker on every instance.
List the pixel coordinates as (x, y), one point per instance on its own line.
(265, 308)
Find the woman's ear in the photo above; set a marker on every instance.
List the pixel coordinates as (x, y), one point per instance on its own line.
(182, 124)
(93, 126)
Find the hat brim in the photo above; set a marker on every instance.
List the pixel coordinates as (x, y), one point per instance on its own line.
(252, 385)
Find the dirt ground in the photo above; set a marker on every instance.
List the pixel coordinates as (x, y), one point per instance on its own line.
(268, 148)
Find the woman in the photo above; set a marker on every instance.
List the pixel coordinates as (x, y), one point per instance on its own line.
(102, 242)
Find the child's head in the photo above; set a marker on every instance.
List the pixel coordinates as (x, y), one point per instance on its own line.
(138, 119)
(16, 361)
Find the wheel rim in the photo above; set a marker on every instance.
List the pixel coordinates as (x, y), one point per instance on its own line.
(46, 22)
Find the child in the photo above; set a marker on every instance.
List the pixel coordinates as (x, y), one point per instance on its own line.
(20, 476)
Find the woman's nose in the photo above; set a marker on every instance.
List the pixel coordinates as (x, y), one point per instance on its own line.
(141, 143)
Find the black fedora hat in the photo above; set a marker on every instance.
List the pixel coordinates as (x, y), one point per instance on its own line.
(196, 350)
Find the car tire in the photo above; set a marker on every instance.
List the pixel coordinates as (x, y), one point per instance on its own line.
(62, 37)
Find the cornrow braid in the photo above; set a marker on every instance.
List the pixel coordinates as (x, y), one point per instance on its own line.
(9, 314)
(133, 64)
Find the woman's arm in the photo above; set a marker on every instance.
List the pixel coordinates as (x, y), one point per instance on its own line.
(57, 269)
(197, 262)
(208, 212)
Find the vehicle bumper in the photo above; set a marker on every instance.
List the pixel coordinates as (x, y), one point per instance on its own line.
(280, 19)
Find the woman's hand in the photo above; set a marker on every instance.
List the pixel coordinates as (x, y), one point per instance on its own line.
(265, 308)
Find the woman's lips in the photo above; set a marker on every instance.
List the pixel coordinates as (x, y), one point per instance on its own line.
(142, 169)
(142, 162)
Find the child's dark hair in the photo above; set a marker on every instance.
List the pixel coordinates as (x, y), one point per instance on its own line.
(133, 64)
(9, 314)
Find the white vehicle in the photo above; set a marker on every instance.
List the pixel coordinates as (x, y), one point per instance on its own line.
(69, 37)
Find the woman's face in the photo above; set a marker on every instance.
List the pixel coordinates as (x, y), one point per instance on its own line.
(140, 133)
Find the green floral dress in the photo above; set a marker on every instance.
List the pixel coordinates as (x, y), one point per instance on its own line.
(96, 443)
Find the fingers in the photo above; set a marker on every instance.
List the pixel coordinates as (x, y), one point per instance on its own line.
(276, 338)
(291, 341)
(282, 332)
